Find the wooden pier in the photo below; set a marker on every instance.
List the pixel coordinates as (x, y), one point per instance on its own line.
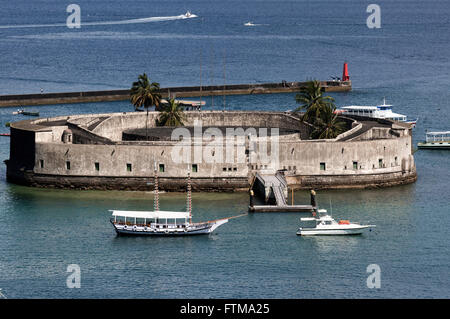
(187, 91)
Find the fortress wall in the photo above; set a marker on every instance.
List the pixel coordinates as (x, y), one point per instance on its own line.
(301, 159)
(113, 160)
(304, 157)
(113, 127)
(39, 158)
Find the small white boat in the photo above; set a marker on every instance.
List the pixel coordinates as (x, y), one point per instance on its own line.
(326, 225)
(436, 140)
(249, 24)
(382, 111)
(188, 15)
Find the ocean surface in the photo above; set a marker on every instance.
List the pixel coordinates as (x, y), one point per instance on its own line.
(255, 256)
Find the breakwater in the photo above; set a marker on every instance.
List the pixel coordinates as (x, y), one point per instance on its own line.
(186, 91)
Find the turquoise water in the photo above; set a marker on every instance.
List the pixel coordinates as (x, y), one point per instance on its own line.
(43, 231)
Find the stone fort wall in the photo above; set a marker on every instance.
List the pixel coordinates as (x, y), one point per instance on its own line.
(39, 157)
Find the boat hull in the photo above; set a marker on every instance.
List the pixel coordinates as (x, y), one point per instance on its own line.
(203, 229)
(434, 146)
(332, 232)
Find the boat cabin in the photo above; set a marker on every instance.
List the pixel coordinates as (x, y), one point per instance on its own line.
(155, 219)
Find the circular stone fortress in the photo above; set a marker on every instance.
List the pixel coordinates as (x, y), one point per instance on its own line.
(123, 151)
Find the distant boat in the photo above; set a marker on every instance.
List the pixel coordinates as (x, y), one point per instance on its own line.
(326, 225)
(5, 134)
(188, 15)
(382, 111)
(23, 112)
(436, 140)
(249, 24)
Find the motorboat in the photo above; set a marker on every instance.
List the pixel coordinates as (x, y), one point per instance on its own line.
(188, 15)
(23, 112)
(162, 223)
(382, 111)
(324, 224)
(249, 24)
(436, 140)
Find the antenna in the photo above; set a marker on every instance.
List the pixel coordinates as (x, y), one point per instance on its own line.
(331, 208)
(212, 77)
(156, 199)
(224, 81)
(201, 74)
(189, 199)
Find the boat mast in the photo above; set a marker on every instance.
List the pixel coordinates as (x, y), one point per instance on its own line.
(189, 200)
(156, 198)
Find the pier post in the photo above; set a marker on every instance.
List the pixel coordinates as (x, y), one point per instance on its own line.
(251, 197)
(313, 198)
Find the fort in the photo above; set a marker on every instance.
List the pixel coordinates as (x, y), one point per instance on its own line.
(107, 151)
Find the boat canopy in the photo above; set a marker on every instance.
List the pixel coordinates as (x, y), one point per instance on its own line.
(152, 214)
(438, 133)
(438, 136)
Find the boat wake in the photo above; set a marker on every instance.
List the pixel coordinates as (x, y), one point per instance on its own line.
(187, 15)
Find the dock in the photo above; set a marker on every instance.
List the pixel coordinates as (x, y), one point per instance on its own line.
(186, 91)
(272, 189)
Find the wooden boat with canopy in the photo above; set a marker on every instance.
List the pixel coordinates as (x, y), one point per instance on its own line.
(162, 223)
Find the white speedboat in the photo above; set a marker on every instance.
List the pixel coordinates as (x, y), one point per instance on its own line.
(249, 24)
(382, 111)
(188, 15)
(324, 224)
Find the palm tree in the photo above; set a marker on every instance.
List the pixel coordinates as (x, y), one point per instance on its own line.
(145, 94)
(312, 101)
(327, 125)
(171, 115)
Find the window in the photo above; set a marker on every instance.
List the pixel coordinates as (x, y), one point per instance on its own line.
(161, 168)
(129, 167)
(224, 169)
(355, 165)
(97, 166)
(322, 166)
(194, 168)
(235, 169)
(396, 160)
(41, 163)
(67, 165)
(380, 163)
